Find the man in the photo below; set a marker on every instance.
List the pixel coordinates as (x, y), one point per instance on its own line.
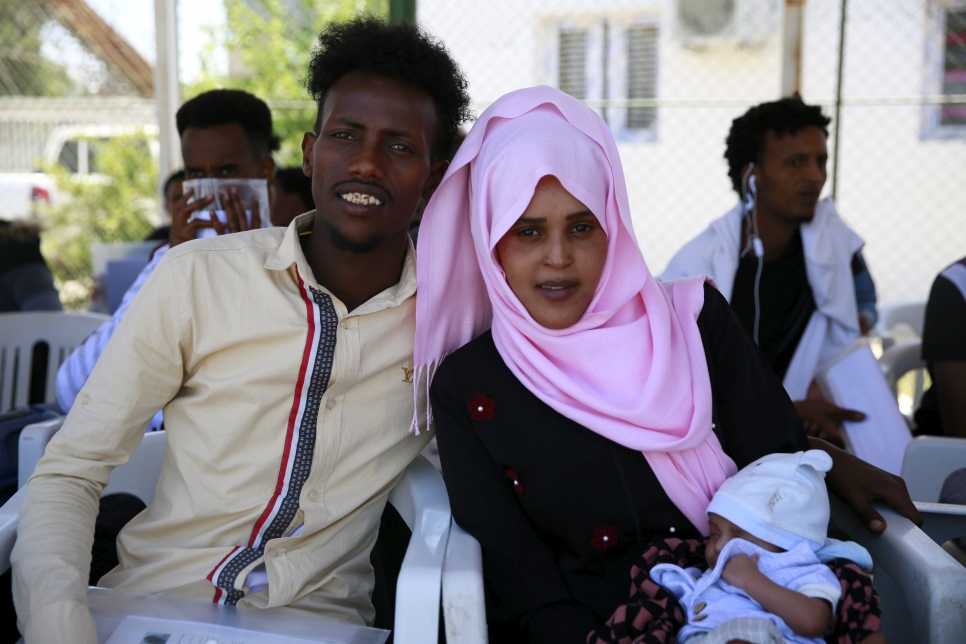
(290, 193)
(784, 258)
(225, 134)
(282, 358)
(171, 193)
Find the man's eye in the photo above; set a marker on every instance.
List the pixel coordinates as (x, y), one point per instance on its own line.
(399, 147)
(341, 135)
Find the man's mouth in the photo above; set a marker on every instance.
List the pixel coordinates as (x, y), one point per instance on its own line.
(360, 198)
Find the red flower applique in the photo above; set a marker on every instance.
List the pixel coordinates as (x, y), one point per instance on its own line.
(517, 485)
(604, 537)
(481, 407)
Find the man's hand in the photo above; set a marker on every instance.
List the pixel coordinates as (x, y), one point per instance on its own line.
(821, 419)
(859, 483)
(740, 570)
(235, 213)
(182, 229)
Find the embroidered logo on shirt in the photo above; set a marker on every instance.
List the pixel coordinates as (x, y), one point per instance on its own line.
(481, 407)
(407, 374)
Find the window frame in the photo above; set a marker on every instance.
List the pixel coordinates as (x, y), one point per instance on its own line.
(932, 126)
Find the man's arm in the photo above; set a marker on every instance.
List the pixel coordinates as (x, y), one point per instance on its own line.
(807, 616)
(138, 373)
(949, 379)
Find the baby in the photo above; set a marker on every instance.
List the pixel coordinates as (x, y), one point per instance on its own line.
(765, 580)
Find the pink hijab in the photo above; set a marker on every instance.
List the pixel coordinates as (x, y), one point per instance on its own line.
(633, 368)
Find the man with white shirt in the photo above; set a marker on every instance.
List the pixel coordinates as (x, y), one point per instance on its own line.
(282, 359)
(783, 257)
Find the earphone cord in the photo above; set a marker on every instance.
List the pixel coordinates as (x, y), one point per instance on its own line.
(751, 216)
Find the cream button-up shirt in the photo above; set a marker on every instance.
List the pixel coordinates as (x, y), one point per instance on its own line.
(282, 409)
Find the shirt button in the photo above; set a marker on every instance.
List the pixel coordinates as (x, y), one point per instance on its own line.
(276, 553)
(700, 607)
(698, 618)
(330, 404)
(86, 399)
(345, 324)
(313, 496)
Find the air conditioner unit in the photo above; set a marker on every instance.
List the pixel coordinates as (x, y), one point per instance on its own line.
(702, 23)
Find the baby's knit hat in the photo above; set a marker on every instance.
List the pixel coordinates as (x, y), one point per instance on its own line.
(780, 498)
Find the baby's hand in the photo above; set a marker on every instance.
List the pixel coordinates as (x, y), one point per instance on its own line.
(740, 569)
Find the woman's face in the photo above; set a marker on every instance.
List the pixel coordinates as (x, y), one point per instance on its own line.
(554, 255)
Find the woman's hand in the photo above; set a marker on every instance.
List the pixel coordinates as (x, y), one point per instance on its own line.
(859, 483)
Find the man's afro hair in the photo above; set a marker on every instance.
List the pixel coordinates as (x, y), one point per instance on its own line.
(224, 106)
(746, 140)
(400, 51)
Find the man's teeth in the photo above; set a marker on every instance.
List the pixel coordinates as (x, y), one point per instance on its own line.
(361, 199)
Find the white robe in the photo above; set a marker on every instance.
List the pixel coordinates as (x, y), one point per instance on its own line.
(828, 244)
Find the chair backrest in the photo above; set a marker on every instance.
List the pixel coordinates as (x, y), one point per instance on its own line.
(910, 314)
(927, 463)
(897, 361)
(22, 333)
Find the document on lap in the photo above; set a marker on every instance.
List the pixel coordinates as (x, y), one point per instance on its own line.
(854, 380)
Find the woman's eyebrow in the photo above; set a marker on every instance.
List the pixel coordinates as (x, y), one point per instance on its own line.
(582, 213)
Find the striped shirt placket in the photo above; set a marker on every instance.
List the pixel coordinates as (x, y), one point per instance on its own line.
(312, 383)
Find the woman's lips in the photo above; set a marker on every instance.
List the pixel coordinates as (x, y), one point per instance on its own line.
(557, 290)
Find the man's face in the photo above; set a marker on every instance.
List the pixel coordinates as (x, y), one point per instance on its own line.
(222, 152)
(792, 174)
(371, 161)
(171, 195)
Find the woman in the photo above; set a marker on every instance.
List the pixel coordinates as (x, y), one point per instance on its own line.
(601, 409)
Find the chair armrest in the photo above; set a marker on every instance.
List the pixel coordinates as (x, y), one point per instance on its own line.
(9, 520)
(31, 446)
(928, 461)
(420, 498)
(931, 597)
(464, 605)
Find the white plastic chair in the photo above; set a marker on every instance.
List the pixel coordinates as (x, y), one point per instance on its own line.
(419, 497)
(897, 361)
(927, 463)
(21, 332)
(921, 587)
(900, 322)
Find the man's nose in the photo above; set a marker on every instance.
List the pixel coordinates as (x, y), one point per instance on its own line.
(367, 161)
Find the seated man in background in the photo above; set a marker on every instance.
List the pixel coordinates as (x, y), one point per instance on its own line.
(26, 283)
(170, 194)
(225, 134)
(282, 358)
(290, 194)
(942, 411)
(784, 258)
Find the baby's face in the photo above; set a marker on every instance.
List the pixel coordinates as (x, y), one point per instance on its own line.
(723, 531)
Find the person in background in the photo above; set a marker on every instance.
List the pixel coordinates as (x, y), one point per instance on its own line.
(282, 358)
(171, 192)
(942, 411)
(289, 194)
(26, 283)
(224, 134)
(809, 294)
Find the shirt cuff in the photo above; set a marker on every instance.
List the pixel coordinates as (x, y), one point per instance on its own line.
(68, 620)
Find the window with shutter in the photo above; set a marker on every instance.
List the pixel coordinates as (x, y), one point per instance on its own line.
(954, 67)
(572, 68)
(641, 75)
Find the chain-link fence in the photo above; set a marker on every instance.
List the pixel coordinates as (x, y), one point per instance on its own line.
(667, 75)
(670, 75)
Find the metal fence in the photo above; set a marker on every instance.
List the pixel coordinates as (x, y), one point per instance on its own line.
(668, 75)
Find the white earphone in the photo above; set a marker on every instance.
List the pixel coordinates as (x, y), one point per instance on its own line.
(749, 194)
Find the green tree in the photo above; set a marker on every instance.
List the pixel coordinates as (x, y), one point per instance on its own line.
(113, 205)
(272, 41)
(24, 70)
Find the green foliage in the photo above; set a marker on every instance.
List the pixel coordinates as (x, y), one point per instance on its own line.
(270, 42)
(114, 205)
(23, 70)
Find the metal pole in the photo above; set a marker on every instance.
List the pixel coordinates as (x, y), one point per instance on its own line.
(167, 89)
(838, 100)
(402, 11)
(792, 47)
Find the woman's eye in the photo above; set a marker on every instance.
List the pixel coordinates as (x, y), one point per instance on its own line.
(582, 228)
(528, 232)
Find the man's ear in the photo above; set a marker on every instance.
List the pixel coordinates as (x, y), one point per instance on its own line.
(436, 172)
(308, 142)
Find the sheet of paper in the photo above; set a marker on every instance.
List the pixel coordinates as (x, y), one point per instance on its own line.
(144, 630)
(854, 380)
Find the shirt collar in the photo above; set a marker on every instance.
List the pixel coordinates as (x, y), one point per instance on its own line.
(289, 251)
